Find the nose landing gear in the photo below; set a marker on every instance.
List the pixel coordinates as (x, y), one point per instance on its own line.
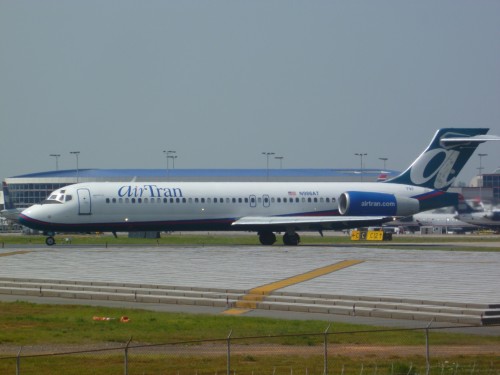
(49, 241)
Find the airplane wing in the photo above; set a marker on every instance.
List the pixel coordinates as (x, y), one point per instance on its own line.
(283, 223)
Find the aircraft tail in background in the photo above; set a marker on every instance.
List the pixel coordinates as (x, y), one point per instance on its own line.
(10, 212)
(439, 165)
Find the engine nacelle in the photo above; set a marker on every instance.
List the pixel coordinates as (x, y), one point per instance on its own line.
(363, 203)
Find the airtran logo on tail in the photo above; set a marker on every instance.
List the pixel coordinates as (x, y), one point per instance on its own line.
(439, 163)
(149, 191)
(436, 163)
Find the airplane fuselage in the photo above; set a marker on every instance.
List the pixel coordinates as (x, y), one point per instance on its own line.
(125, 206)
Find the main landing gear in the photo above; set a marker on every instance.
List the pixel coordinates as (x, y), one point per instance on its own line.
(269, 238)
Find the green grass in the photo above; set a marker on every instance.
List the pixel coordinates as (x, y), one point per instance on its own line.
(26, 324)
(228, 239)
(23, 323)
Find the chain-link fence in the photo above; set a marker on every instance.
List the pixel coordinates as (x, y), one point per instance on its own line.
(374, 352)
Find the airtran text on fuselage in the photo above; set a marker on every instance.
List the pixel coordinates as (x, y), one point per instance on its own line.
(149, 191)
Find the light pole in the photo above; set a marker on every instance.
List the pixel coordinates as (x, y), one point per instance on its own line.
(280, 158)
(57, 160)
(361, 159)
(168, 155)
(481, 176)
(267, 157)
(384, 160)
(173, 157)
(76, 153)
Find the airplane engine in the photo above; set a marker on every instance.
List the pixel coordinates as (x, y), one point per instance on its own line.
(361, 203)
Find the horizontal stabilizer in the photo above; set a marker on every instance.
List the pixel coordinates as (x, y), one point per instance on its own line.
(476, 139)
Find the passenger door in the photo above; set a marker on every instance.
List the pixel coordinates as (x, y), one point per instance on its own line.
(84, 202)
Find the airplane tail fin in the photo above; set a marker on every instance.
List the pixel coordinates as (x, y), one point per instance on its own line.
(439, 165)
(8, 204)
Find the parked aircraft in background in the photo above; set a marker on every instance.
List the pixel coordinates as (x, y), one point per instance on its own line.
(445, 219)
(10, 212)
(263, 207)
(478, 215)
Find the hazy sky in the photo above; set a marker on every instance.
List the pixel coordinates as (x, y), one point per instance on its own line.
(222, 81)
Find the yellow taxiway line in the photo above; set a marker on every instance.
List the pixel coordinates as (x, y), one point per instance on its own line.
(15, 253)
(255, 295)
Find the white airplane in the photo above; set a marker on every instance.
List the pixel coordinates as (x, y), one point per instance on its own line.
(263, 207)
(444, 218)
(479, 216)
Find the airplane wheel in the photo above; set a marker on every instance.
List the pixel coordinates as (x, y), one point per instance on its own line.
(50, 241)
(291, 239)
(267, 238)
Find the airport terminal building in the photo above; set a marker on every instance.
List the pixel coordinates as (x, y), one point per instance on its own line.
(29, 189)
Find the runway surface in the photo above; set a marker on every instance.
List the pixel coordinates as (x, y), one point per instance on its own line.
(470, 277)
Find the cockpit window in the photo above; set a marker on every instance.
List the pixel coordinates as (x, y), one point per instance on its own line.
(57, 197)
(69, 197)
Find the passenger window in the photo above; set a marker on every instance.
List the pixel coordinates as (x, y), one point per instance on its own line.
(113, 200)
(202, 200)
(285, 200)
(139, 200)
(196, 200)
(133, 200)
(107, 200)
(165, 200)
(240, 200)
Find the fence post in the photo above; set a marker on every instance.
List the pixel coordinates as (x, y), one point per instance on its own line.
(325, 366)
(126, 356)
(229, 352)
(427, 356)
(18, 361)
